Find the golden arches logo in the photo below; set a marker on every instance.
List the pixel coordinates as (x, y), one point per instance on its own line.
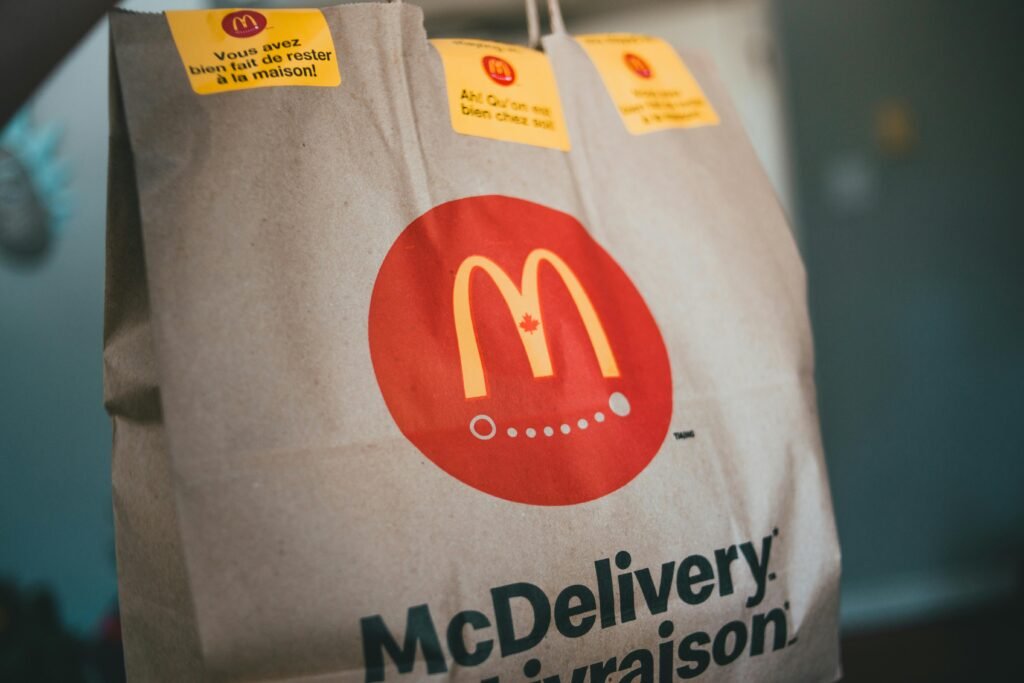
(523, 304)
(499, 70)
(638, 65)
(501, 410)
(243, 23)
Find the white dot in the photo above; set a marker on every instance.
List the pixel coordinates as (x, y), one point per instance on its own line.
(619, 404)
(512, 432)
(565, 429)
(483, 436)
(599, 416)
(530, 432)
(582, 424)
(548, 431)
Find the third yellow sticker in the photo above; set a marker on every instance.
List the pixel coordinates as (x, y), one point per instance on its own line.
(648, 82)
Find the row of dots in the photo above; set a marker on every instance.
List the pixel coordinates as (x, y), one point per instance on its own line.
(617, 403)
(530, 432)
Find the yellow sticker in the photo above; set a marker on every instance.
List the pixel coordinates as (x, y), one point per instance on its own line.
(237, 49)
(503, 92)
(650, 85)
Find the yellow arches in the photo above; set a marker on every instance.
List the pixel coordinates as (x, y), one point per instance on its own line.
(523, 304)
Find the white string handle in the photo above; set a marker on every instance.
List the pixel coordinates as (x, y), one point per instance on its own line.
(532, 24)
(533, 20)
(555, 17)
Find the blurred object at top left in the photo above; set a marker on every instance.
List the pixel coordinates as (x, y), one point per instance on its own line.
(33, 190)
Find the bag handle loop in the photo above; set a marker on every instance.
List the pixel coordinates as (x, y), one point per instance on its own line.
(555, 20)
(533, 20)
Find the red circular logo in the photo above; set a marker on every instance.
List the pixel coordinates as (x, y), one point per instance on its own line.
(500, 71)
(637, 65)
(243, 23)
(514, 352)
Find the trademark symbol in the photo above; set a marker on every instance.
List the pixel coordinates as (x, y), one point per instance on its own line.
(683, 435)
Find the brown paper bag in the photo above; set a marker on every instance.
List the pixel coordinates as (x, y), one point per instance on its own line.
(393, 402)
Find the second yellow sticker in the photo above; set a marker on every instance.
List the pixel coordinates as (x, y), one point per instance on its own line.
(503, 92)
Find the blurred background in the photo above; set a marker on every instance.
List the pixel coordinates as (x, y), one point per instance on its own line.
(892, 130)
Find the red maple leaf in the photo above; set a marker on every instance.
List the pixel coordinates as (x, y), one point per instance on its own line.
(529, 324)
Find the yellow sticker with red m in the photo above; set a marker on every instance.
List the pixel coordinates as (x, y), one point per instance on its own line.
(503, 92)
(648, 82)
(238, 49)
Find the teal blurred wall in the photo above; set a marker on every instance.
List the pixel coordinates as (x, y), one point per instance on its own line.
(916, 279)
(55, 511)
(55, 519)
